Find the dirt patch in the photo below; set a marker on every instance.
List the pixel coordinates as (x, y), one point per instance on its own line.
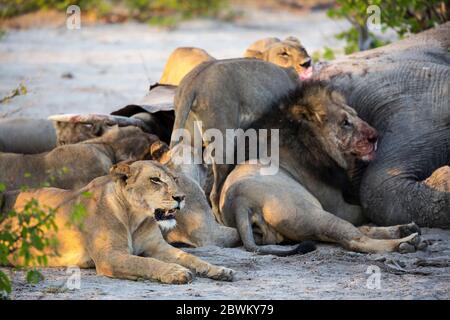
(327, 273)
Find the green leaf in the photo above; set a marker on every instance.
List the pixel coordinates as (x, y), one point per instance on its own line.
(328, 54)
(87, 194)
(5, 283)
(34, 276)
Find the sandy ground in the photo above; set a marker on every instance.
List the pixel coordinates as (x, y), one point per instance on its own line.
(113, 65)
(327, 273)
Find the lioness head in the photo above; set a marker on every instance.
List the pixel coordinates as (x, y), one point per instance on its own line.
(286, 53)
(342, 134)
(149, 187)
(70, 133)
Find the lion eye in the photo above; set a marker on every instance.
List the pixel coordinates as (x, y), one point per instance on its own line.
(346, 124)
(156, 180)
(284, 54)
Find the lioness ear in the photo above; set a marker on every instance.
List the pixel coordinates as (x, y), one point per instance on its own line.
(253, 54)
(299, 112)
(120, 171)
(160, 152)
(293, 39)
(98, 129)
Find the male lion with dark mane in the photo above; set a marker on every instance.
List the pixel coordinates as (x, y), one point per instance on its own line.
(320, 138)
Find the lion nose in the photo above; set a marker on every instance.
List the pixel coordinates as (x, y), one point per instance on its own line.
(372, 136)
(306, 64)
(178, 198)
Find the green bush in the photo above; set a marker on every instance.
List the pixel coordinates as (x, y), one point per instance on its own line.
(403, 16)
(24, 239)
(142, 10)
(27, 237)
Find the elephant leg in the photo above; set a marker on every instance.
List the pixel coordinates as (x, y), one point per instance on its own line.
(392, 194)
(393, 232)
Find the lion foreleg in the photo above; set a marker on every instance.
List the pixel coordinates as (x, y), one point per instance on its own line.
(165, 252)
(127, 266)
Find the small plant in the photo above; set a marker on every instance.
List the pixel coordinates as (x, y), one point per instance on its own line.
(403, 16)
(156, 12)
(19, 91)
(26, 239)
(325, 54)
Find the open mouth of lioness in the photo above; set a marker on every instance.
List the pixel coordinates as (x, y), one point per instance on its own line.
(165, 214)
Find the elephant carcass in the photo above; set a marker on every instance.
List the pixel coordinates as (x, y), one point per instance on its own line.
(33, 136)
(403, 90)
(155, 109)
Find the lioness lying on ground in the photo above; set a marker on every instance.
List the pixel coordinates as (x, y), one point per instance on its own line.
(120, 235)
(320, 137)
(75, 165)
(285, 53)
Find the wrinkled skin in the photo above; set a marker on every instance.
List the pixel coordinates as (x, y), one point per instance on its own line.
(320, 137)
(245, 88)
(75, 165)
(120, 236)
(403, 90)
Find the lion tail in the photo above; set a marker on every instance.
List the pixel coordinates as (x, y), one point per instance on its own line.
(246, 233)
(183, 104)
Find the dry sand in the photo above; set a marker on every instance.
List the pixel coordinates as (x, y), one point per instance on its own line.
(327, 273)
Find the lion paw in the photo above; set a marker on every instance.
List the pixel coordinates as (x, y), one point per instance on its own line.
(408, 229)
(221, 273)
(177, 275)
(411, 243)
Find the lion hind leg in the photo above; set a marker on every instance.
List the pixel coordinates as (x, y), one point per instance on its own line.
(325, 226)
(368, 245)
(244, 226)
